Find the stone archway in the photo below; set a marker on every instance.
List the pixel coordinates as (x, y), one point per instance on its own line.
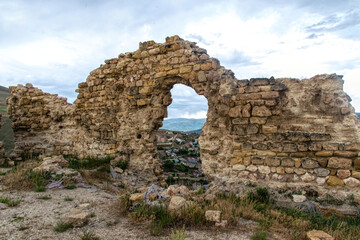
(262, 129)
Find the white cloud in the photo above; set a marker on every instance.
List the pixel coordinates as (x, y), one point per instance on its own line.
(55, 44)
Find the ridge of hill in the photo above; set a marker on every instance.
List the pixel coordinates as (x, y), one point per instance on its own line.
(183, 124)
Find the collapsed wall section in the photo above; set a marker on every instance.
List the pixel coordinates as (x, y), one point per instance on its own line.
(259, 129)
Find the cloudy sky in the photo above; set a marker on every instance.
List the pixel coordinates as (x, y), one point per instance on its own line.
(55, 44)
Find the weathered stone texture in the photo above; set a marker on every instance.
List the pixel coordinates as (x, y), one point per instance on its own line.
(296, 129)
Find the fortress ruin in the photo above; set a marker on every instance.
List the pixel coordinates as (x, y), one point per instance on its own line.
(263, 129)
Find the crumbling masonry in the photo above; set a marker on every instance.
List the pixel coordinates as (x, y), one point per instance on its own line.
(284, 129)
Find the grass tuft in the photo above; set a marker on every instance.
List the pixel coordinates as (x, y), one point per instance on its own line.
(62, 226)
(9, 201)
(89, 236)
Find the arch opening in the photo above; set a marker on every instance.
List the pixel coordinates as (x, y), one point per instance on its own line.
(178, 139)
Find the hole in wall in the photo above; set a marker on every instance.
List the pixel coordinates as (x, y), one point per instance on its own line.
(178, 139)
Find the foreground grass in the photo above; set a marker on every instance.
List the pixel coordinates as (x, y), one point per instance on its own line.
(9, 201)
(256, 206)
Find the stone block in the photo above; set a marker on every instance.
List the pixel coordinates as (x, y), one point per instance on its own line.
(352, 182)
(307, 177)
(322, 172)
(287, 162)
(269, 129)
(264, 169)
(309, 163)
(272, 161)
(335, 181)
(352, 147)
(238, 167)
(343, 173)
(357, 164)
(235, 112)
(261, 111)
(336, 162)
(324, 154)
(346, 154)
(355, 174)
(289, 147)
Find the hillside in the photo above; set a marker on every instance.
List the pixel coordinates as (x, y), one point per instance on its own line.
(6, 132)
(183, 124)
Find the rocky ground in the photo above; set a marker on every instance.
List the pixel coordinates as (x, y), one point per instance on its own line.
(35, 218)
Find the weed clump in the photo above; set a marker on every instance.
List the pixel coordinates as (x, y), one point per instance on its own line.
(9, 201)
(62, 226)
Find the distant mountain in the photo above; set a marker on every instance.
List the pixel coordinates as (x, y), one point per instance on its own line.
(183, 124)
(198, 131)
(358, 114)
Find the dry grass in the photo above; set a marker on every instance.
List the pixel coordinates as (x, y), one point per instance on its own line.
(18, 177)
(273, 223)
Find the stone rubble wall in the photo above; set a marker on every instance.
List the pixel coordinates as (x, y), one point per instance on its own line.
(269, 129)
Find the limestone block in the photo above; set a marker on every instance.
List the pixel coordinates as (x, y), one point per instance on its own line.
(355, 174)
(324, 154)
(346, 154)
(322, 172)
(261, 111)
(335, 181)
(336, 162)
(307, 177)
(343, 173)
(309, 163)
(269, 129)
(352, 182)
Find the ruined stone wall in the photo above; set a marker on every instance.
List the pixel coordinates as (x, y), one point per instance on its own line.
(260, 129)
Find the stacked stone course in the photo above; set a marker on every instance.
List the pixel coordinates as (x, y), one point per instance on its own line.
(260, 129)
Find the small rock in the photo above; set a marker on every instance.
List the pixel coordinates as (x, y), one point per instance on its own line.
(176, 203)
(78, 219)
(118, 170)
(299, 198)
(136, 197)
(213, 216)
(318, 235)
(3, 206)
(152, 196)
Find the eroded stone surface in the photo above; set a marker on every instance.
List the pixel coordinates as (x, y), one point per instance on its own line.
(284, 125)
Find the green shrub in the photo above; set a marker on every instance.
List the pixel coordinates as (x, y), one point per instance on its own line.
(182, 168)
(178, 234)
(62, 226)
(168, 166)
(123, 164)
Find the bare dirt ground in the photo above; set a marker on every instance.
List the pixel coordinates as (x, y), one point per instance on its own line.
(34, 218)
